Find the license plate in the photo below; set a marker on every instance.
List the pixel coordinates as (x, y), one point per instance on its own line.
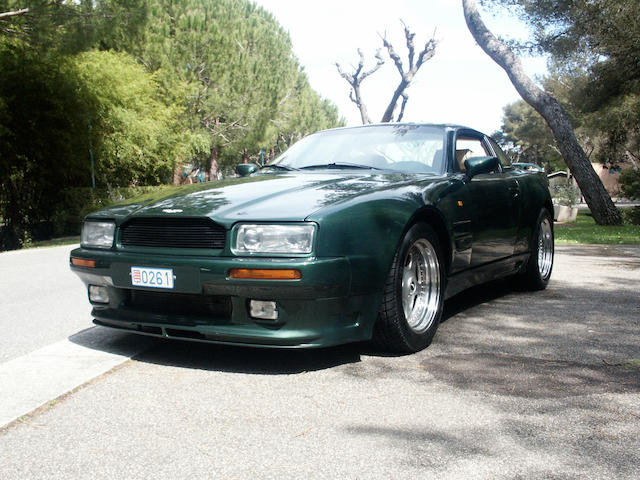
(152, 277)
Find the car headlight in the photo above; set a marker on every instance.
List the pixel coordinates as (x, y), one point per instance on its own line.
(98, 234)
(279, 239)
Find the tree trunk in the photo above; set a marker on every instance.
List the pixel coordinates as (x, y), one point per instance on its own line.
(602, 207)
(355, 79)
(364, 116)
(177, 173)
(213, 164)
(391, 108)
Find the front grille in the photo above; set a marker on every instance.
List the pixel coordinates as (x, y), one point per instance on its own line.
(172, 233)
(217, 306)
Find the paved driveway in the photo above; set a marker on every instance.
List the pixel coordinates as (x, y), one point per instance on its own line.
(516, 385)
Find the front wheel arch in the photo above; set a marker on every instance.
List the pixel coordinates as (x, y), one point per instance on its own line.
(413, 296)
(435, 220)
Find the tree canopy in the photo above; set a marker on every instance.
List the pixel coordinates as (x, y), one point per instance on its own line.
(130, 91)
(556, 117)
(601, 35)
(594, 54)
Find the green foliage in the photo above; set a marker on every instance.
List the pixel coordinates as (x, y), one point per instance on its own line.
(137, 138)
(630, 182)
(194, 82)
(616, 130)
(631, 216)
(603, 33)
(594, 69)
(585, 231)
(67, 27)
(526, 136)
(301, 112)
(610, 135)
(76, 202)
(40, 114)
(565, 194)
(244, 86)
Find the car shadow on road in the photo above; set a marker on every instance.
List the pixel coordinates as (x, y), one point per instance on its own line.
(478, 295)
(203, 356)
(251, 360)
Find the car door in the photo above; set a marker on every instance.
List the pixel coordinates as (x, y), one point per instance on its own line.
(494, 201)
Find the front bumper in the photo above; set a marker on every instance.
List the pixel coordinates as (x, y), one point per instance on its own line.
(206, 305)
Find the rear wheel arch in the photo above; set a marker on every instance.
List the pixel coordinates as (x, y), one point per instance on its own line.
(537, 271)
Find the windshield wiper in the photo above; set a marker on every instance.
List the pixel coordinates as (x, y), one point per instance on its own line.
(279, 167)
(338, 165)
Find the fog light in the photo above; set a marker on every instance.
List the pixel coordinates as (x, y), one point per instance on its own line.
(98, 294)
(263, 310)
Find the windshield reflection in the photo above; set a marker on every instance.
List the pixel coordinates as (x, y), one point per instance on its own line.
(402, 148)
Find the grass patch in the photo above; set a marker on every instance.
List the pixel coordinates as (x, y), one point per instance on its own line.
(585, 231)
(635, 364)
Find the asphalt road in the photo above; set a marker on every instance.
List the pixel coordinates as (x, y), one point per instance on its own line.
(542, 385)
(41, 300)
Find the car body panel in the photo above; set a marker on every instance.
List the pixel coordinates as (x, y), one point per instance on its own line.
(484, 225)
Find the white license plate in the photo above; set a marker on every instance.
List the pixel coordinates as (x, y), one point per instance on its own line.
(152, 277)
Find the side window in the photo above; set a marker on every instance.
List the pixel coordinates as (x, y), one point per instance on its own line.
(504, 158)
(467, 147)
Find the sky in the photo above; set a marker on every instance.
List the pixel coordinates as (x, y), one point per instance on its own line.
(460, 84)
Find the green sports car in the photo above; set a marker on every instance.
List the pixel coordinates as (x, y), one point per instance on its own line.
(351, 234)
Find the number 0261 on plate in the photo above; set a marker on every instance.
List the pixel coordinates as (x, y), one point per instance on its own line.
(152, 277)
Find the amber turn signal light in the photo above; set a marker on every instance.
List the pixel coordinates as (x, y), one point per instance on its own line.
(265, 274)
(83, 262)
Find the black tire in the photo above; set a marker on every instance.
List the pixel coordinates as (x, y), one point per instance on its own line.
(537, 271)
(393, 331)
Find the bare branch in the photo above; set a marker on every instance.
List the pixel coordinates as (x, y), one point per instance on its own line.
(392, 54)
(410, 46)
(427, 53)
(376, 67)
(14, 13)
(633, 159)
(355, 79)
(343, 74)
(406, 77)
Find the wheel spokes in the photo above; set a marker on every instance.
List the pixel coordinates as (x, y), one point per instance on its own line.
(545, 248)
(421, 286)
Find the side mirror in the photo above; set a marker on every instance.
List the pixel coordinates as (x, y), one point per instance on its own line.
(478, 165)
(246, 169)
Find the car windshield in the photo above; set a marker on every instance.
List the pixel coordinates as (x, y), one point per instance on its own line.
(404, 148)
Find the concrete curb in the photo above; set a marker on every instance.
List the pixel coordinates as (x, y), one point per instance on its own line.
(30, 381)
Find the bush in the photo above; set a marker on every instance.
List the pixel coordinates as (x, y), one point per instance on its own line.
(565, 194)
(631, 216)
(630, 183)
(72, 206)
(76, 203)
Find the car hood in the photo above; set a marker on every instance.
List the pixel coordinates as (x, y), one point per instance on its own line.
(274, 197)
